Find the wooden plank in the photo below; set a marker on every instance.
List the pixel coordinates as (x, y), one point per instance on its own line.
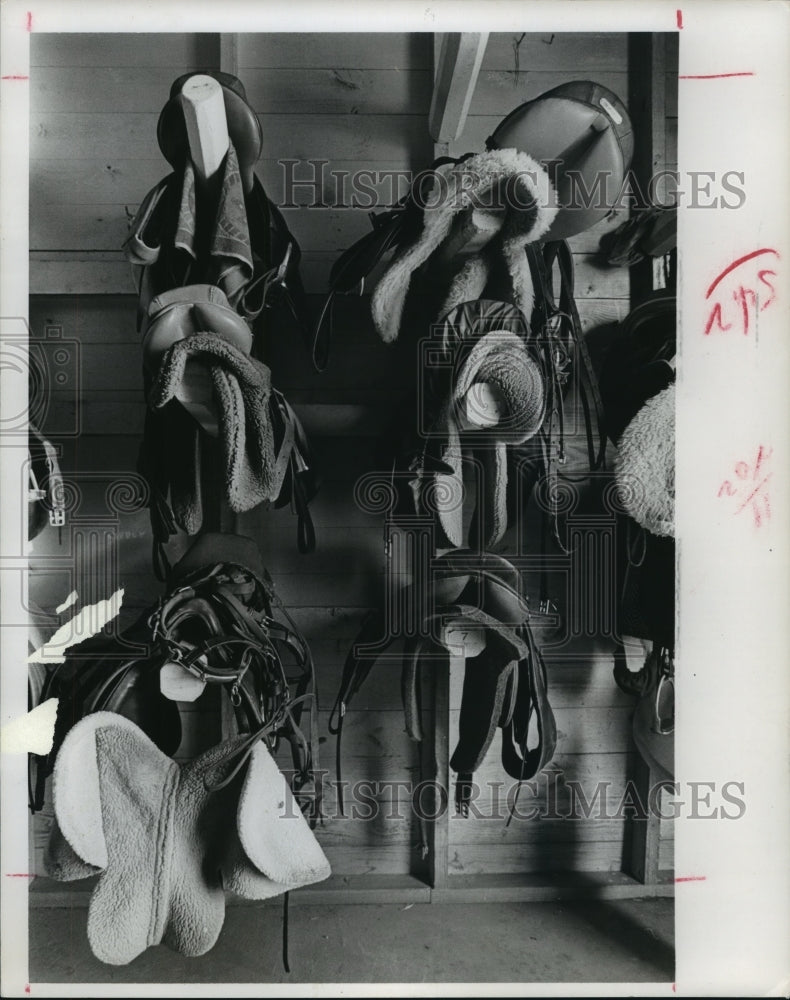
(118, 89)
(516, 887)
(137, 50)
(113, 179)
(468, 859)
(132, 136)
(56, 273)
(93, 319)
(71, 216)
(404, 890)
(105, 272)
(318, 91)
(337, 889)
(455, 77)
(490, 829)
(580, 52)
(366, 859)
(340, 50)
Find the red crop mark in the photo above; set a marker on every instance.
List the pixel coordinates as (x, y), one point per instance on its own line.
(29, 24)
(14, 76)
(691, 878)
(750, 488)
(714, 76)
(749, 296)
(679, 14)
(674, 988)
(27, 988)
(19, 875)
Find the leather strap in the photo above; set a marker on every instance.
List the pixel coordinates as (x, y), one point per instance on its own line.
(391, 228)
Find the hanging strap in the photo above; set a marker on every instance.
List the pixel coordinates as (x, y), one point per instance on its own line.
(588, 382)
(355, 670)
(531, 700)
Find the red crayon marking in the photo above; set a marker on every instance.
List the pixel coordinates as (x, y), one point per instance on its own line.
(690, 878)
(19, 875)
(713, 76)
(674, 988)
(746, 296)
(715, 317)
(27, 988)
(749, 494)
(737, 263)
(29, 20)
(679, 14)
(15, 76)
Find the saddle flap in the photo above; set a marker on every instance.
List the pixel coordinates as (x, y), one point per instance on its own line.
(273, 832)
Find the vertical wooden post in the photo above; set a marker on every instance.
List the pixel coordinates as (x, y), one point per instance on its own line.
(440, 827)
(229, 54)
(644, 833)
(647, 109)
(457, 59)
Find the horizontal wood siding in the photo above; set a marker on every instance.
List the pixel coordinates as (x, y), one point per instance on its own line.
(359, 102)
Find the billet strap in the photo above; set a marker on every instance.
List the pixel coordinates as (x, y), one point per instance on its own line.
(355, 670)
(531, 699)
(350, 271)
(588, 383)
(291, 464)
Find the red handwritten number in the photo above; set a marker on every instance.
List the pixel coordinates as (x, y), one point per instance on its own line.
(744, 295)
(749, 488)
(761, 277)
(716, 317)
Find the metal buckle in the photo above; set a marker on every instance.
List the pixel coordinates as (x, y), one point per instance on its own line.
(57, 517)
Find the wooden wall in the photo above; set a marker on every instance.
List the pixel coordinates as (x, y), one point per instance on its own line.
(359, 102)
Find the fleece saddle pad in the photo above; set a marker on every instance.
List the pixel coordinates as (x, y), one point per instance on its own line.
(166, 842)
(513, 181)
(480, 343)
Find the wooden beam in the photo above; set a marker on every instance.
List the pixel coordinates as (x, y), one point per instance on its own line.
(404, 889)
(229, 54)
(644, 833)
(457, 68)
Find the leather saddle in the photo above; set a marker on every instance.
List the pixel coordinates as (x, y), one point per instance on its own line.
(504, 685)
(216, 623)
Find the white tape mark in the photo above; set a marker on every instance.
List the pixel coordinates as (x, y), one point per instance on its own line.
(71, 599)
(31, 733)
(87, 622)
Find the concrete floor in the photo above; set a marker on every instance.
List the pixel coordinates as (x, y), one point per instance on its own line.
(606, 941)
